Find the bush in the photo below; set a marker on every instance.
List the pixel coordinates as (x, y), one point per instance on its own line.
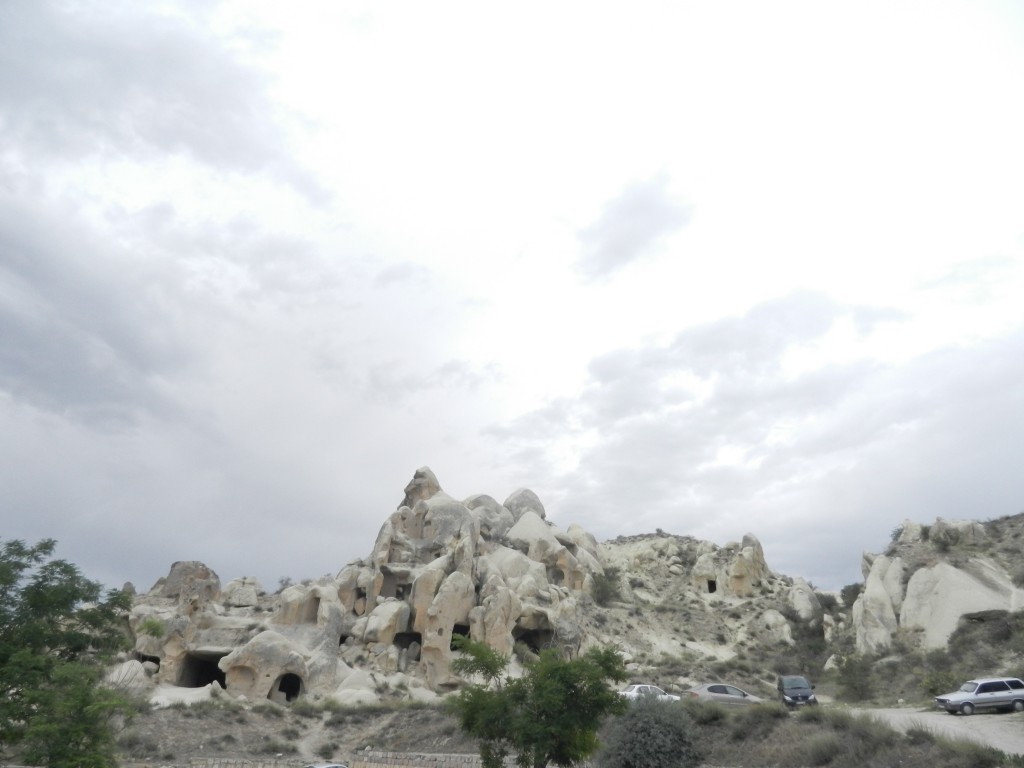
(606, 586)
(855, 678)
(650, 734)
(850, 593)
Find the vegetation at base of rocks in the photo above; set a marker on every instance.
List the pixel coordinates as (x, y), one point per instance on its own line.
(57, 630)
(606, 586)
(650, 734)
(856, 682)
(989, 644)
(551, 715)
(822, 736)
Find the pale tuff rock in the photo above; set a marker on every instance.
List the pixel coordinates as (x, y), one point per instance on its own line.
(242, 593)
(875, 611)
(933, 595)
(804, 601)
(524, 500)
(506, 575)
(938, 596)
(775, 626)
(737, 569)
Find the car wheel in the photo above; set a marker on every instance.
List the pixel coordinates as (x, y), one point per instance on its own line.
(967, 709)
(1018, 706)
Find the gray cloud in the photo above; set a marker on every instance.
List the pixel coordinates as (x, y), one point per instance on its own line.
(629, 227)
(123, 79)
(839, 451)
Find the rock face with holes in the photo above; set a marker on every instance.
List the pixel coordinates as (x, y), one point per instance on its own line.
(506, 574)
(440, 567)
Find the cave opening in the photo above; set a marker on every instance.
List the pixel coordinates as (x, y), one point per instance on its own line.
(458, 630)
(712, 586)
(535, 639)
(142, 657)
(287, 688)
(200, 668)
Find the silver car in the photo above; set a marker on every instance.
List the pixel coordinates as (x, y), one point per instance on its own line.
(984, 693)
(723, 694)
(634, 692)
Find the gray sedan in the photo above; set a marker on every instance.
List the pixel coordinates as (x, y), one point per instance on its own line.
(723, 694)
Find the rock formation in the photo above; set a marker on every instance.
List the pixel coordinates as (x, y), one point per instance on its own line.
(934, 576)
(505, 574)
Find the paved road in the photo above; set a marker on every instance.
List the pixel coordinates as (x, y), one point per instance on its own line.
(1004, 731)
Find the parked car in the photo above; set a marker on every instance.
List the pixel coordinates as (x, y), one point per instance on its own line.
(723, 694)
(796, 691)
(634, 692)
(984, 693)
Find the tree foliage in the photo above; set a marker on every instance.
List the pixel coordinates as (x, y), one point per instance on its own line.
(56, 630)
(551, 715)
(651, 734)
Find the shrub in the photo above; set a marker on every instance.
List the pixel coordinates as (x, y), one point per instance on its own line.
(850, 593)
(606, 586)
(152, 626)
(855, 678)
(650, 734)
(820, 749)
(305, 708)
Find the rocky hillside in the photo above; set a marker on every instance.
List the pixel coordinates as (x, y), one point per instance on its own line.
(680, 610)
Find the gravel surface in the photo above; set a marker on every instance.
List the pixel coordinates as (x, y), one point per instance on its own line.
(1004, 731)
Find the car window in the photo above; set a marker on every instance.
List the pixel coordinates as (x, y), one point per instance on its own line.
(656, 690)
(716, 688)
(1015, 684)
(992, 687)
(969, 686)
(733, 691)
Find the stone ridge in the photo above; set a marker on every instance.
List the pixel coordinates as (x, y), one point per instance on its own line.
(505, 574)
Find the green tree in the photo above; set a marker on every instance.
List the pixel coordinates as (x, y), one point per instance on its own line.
(651, 734)
(549, 716)
(57, 628)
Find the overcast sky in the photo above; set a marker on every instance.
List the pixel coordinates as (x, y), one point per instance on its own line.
(713, 268)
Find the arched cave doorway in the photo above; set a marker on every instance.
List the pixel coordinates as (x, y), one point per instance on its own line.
(200, 668)
(287, 688)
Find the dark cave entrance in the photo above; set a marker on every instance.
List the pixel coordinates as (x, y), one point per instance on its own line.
(535, 639)
(201, 669)
(407, 640)
(287, 688)
(712, 586)
(144, 658)
(458, 630)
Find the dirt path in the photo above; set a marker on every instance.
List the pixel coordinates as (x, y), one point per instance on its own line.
(1004, 731)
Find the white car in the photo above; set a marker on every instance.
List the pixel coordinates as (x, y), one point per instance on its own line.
(634, 692)
(984, 693)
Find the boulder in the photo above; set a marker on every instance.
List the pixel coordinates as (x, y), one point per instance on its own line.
(937, 596)
(524, 500)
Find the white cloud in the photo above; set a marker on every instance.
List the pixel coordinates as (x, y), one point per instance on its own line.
(705, 269)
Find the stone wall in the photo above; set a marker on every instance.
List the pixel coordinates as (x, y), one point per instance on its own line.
(366, 759)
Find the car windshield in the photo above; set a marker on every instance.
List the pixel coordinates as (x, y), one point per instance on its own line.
(795, 682)
(969, 686)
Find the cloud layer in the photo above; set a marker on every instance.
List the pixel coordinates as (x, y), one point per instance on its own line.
(670, 270)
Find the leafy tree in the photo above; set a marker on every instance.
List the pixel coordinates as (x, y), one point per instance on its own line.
(549, 716)
(56, 630)
(606, 586)
(651, 734)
